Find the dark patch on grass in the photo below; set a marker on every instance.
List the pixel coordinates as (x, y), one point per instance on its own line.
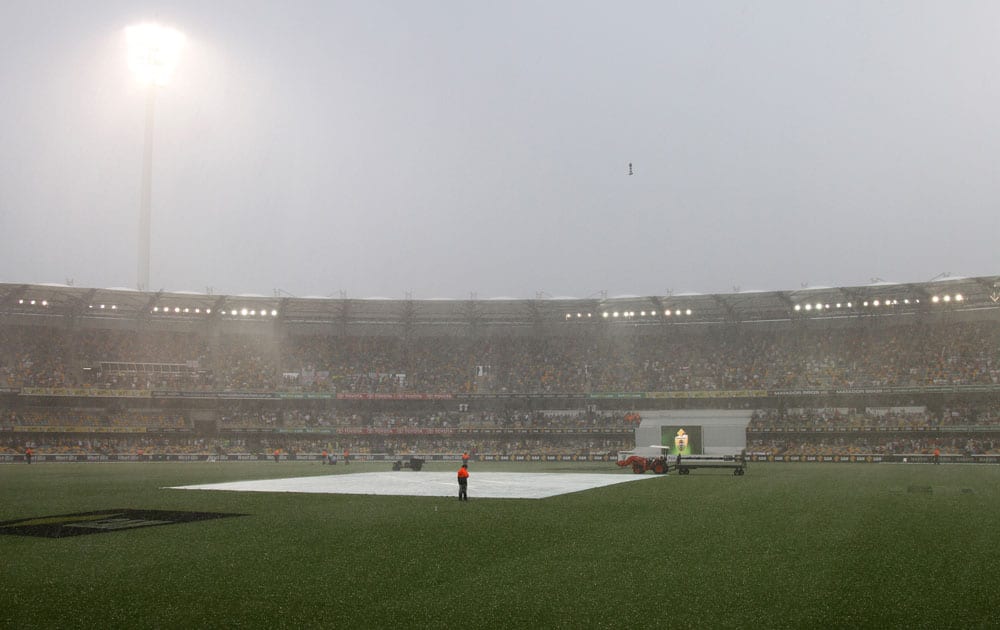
(101, 522)
(923, 489)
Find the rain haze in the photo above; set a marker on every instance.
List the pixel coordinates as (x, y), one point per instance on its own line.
(439, 149)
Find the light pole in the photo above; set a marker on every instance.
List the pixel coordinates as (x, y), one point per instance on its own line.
(153, 52)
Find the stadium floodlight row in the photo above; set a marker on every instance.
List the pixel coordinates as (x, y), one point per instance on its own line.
(26, 302)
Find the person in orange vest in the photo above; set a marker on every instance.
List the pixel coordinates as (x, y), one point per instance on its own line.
(347, 457)
(463, 483)
(27, 454)
(277, 454)
(937, 455)
(465, 458)
(325, 456)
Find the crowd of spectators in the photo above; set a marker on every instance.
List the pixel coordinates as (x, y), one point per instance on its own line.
(255, 415)
(295, 430)
(828, 431)
(896, 431)
(394, 446)
(897, 418)
(92, 420)
(46, 444)
(671, 359)
(402, 445)
(872, 445)
(668, 359)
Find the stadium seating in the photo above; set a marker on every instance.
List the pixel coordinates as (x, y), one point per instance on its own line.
(91, 388)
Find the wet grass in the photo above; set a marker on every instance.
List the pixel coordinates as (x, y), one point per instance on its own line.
(786, 546)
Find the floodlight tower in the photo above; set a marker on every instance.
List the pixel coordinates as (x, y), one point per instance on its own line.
(153, 52)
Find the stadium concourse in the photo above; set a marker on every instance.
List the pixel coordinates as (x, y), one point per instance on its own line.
(883, 369)
(484, 485)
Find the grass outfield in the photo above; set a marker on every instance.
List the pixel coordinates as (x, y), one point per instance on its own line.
(787, 545)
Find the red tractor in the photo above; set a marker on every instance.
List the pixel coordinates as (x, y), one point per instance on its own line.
(641, 464)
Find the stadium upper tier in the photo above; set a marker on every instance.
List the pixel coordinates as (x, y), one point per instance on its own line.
(893, 352)
(28, 303)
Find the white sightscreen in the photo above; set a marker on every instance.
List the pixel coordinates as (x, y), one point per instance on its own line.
(723, 432)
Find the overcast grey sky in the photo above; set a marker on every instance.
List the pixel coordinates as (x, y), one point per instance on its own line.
(445, 148)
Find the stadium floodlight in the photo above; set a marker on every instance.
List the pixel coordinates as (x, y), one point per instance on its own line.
(153, 53)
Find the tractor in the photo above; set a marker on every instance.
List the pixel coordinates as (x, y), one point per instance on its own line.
(641, 464)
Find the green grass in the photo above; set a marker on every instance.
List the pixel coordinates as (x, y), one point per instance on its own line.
(786, 546)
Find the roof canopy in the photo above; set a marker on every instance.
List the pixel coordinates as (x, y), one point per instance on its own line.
(69, 301)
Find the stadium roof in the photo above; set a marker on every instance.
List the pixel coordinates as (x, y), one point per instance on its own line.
(48, 300)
